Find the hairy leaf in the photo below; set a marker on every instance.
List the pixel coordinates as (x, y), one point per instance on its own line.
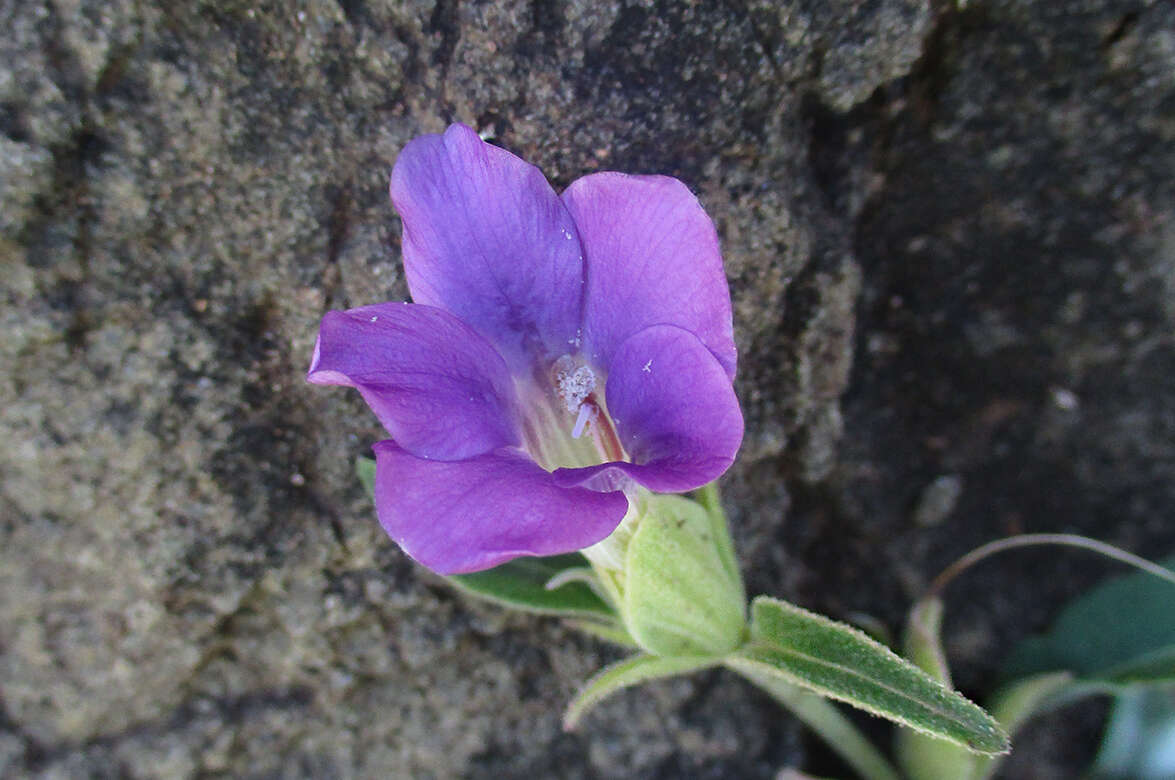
(842, 663)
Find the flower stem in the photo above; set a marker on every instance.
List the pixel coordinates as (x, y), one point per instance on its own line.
(1032, 540)
(837, 731)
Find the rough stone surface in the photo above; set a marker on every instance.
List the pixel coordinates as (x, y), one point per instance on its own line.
(950, 235)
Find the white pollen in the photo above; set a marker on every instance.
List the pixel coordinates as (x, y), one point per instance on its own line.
(574, 385)
(648, 367)
(587, 413)
(374, 317)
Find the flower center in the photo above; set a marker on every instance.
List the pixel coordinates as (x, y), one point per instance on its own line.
(567, 423)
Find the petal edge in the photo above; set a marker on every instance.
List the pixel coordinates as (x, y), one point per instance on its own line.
(486, 238)
(652, 257)
(470, 515)
(437, 386)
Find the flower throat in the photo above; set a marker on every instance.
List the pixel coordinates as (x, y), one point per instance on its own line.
(566, 423)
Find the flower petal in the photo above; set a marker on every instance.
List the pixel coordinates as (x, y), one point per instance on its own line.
(438, 387)
(475, 514)
(652, 257)
(486, 238)
(675, 412)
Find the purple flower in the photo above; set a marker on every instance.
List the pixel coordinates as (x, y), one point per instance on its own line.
(561, 350)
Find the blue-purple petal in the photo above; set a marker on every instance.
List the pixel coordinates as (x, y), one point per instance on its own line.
(465, 516)
(486, 238)
(652, 258)
(437, 386)
(674, 410)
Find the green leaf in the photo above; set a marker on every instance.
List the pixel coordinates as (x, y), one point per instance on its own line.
(522, 584)
(1122, 631)
(1157, 666)
(680, 597)
(1139, 742)
(842, 663)
(629, 672)
(1115, 639)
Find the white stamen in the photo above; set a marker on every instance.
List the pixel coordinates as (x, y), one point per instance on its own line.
(648, 367)
(587, 413)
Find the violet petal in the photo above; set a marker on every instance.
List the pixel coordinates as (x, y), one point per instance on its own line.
(675, 412)
(652, 257)
(474, 514)
(437, 386)
(486, 238)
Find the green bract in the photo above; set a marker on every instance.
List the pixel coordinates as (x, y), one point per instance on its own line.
(678, 598)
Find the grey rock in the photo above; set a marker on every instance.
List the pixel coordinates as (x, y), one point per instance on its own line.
(191, 580)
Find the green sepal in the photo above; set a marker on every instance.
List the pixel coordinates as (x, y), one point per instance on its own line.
(843, 663)
(680, 595)
(523, 583)
(629, 672)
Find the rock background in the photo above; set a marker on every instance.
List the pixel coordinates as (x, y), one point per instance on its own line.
(950, 235)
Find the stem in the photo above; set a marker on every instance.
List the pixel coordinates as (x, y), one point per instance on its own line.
(1031, 540)
(707, 496)
(837, 731)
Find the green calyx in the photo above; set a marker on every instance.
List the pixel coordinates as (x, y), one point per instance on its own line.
(680, 593)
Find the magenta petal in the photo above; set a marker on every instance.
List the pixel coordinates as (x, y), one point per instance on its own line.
(438, 387)
(675, 411)
(486, 238)
(652, 258)
(474, 514)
